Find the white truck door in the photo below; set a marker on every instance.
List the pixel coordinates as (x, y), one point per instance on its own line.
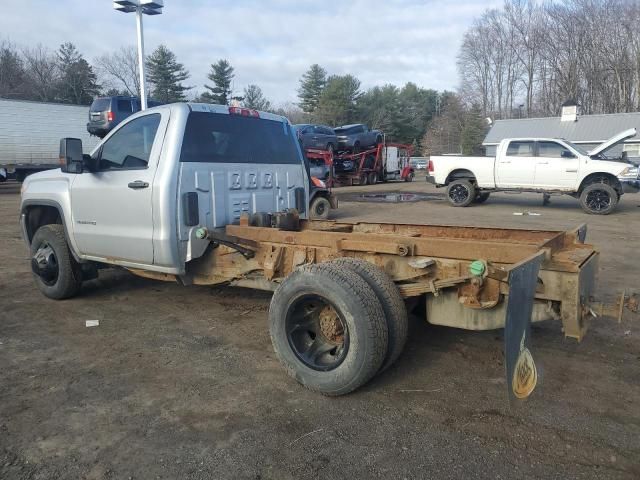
(556, 166)
(112, 207)
(516, 166)
(392, 161)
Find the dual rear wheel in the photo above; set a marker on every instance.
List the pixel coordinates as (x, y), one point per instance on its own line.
(335, 325)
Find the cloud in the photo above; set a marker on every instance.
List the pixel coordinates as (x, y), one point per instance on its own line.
(269, 42)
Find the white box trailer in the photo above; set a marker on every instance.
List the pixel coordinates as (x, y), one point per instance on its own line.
(30, 134)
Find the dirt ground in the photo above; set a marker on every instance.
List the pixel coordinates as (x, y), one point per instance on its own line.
(182, 382)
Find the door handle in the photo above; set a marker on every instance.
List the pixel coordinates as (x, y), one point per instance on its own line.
(543, 163)
(138, 184)
(505, 161)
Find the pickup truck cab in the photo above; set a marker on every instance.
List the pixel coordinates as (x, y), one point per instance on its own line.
(545, 165)
(138, 198)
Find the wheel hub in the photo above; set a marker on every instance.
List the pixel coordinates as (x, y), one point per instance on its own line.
(598, 199)
(330, 326)
(459, 193)
(45, 264)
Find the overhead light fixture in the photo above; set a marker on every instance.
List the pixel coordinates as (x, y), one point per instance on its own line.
(140, 7)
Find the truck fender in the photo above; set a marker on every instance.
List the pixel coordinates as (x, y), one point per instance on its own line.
(49, 211)
(406, 171)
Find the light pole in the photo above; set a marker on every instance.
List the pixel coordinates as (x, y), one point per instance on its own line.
(147, 7)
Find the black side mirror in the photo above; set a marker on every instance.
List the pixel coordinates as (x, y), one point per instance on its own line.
(71, 159)
(567, 154)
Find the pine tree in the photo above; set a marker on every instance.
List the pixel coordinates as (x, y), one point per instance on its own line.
(312, 84)
(221, 75)
(473, 131)
(165, 75)
(78, 82)
(254, 99)
(338, 103)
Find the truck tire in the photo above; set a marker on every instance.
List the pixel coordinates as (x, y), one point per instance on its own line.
(481, 197)
(328, 329)
(55, 271)
(373, 178)
(410, 177)
(320, 208)
(461, 193)
(599, 199)
(395, 310)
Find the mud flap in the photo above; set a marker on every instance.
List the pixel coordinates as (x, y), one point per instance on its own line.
(522, 375)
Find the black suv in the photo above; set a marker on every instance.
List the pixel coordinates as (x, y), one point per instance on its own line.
(107, 112)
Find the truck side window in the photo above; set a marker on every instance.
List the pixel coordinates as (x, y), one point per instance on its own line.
(553, 150)
(130, 146)
(520, 149)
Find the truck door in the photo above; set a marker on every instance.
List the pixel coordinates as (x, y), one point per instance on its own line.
(556, 166)
(516, 167)
(112, 207)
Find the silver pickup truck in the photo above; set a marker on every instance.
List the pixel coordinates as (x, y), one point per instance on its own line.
(213, 195)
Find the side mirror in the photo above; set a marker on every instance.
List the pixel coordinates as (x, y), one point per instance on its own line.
(567, 154)
(71, 159)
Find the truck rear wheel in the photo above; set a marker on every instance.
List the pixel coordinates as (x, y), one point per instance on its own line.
(328, 329)
(395, 310)
(55, 271)
(461, 193)
(320, 208)
(599, 199)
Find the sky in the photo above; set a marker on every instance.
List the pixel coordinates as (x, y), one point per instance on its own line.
(269, 42)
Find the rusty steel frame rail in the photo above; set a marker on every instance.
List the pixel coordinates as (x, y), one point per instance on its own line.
(421, 259)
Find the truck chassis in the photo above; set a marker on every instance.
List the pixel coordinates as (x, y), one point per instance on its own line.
(465, 277)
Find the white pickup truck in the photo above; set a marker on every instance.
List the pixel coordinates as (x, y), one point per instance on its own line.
(545, 165)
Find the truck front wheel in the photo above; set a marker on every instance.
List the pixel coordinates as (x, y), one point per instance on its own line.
(328, 328)
(461, 193)
(55, 271)
(320, 208)
(599, 199)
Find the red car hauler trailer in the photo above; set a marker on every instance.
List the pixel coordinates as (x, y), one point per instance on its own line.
(388, 161)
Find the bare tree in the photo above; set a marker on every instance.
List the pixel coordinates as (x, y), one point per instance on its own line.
(119, 70)
(41, 70)
(542, 54)
(12, 76)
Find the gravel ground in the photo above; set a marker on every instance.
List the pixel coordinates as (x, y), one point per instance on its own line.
(182, 382)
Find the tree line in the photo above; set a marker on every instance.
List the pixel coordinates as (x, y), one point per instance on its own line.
(66, 76)
(529, 57)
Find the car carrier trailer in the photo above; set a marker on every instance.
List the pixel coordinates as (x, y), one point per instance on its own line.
(387, 161)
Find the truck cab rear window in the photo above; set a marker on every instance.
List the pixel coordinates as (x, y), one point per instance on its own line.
(221, 138)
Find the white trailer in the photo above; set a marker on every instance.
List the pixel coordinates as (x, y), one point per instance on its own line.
(30, 134)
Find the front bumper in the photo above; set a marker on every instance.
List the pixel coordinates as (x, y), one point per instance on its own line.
(630, 186)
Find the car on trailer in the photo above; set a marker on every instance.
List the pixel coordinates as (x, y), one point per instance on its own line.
(320, 137)
(357, 137)
(229, 193)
